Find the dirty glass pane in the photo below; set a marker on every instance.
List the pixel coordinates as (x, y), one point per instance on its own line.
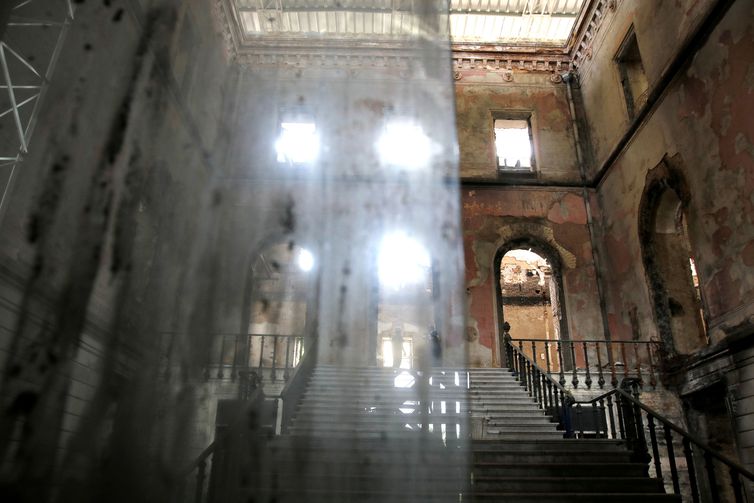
(231, 263)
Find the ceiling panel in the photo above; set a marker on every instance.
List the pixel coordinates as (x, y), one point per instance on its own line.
(546, 22)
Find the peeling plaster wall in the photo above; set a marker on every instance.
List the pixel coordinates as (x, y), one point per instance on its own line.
(555, 217)
(704, 126)
(479, 93)
(660, 28)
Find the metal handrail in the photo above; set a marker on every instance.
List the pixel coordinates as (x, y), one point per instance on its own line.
(626, 412)
(639, 359)
(665, 421)
(549, 394)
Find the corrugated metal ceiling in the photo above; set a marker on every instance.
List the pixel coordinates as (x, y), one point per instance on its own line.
(478, 21)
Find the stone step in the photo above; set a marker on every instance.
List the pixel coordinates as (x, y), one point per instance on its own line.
(559, 497)
(512, 434)
(559, 469)
(538, 457)
(591, 484)
(563, 445)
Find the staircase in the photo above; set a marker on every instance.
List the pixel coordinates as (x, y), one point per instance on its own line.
(373, 434)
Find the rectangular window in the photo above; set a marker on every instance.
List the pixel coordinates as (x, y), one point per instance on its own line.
(513, 144)
(632, 76)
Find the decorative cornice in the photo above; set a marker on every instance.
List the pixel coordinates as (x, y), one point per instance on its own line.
(590, 25)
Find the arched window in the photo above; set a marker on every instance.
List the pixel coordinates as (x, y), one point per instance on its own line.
(669, 262)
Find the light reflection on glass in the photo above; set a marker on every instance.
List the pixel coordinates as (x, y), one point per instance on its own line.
(305, 260)
(404, 144)
(298, 143)
(404, 380)
(402, 261)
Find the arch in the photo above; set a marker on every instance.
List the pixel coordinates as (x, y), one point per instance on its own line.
(252, 297)
(667, 255)
(553, 257)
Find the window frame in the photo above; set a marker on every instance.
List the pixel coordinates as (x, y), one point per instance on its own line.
(622, 60)
(517, 115)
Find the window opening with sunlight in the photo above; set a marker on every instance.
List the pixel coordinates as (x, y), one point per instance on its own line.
(513, 145)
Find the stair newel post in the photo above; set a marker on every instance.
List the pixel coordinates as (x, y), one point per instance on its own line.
(671, 459)
(611, 416)
(611, 358)
(273, 373)
(735, 483)
(549, 395)
(600, 378)
(588, 380)
(547, 357)
(711, 477)
(200, 476)
(562, 379)
(529, 379)
(655, 447)
(619, 405)
(652, 376)
(286, 370)
(508, 344)
(575, 378)
(689, 453)
(567, 401)
(580, 418)
(638, 364)
(235, 358)
(600, 415)
(261, 353)
(220, 373)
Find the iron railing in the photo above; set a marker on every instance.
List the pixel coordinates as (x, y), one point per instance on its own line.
(551, 395)
(698, 472)
(273, 355)
(595, 360)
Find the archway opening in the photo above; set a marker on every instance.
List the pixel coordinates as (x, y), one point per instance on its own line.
(673, 277)
(282, 279)
(530, 302)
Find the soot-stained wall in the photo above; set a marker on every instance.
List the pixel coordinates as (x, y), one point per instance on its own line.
(481, 93)
(494, 216)
(703, 127)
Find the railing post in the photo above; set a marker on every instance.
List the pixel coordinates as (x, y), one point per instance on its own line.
(612, 416)
(575, 378)
(588, 380)
(547, 356)
(562, 379)
(601, 378)
(711, 477)
(273, 373)
(690, 467)
(287, 369)
(655, 447)
(671, 459)
(735, 483)
(652, 376)
(200, 475)
(611, 357)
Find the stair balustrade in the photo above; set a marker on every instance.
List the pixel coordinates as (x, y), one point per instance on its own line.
(274, 357)
(595, 359)
(551, 395)
(689, 467)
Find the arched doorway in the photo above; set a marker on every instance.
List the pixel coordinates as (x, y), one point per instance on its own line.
(279, 311)
(669, 262)
(529, 297)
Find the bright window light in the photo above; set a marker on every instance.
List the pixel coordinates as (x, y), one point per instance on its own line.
(402, 261)
(305, 260)
(298, 143)
(513, 144)
(405, 145)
